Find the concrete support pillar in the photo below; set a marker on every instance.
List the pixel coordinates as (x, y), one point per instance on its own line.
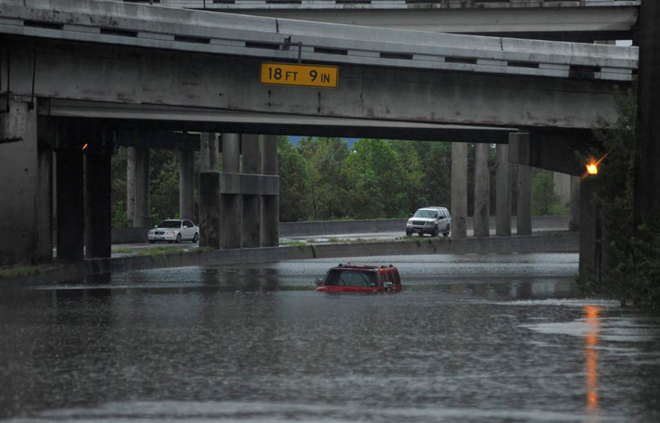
(590, 253)
(503, 186)
(98, 219)
(459, 187)
(481, 219)
(209, 152)
(270, 204)
(209, 209)
(45, 207)
(209, 192)
(138, 186)
(186, 184)
(70, 205)
(251, 219)
(130, 184)
(647, 172)
(21, 176)
(574, 219)
(230, 204)
(524, 220)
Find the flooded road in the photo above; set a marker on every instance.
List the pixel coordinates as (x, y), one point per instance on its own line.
(494, 338)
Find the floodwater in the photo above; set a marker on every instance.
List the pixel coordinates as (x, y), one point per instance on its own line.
(494, 338)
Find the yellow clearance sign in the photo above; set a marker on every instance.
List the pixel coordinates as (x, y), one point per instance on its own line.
(300, 75)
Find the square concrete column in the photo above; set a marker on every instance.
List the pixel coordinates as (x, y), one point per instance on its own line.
(251, 219)
(187, 184)
(45, 207)
(209, 192)
(137, 169)
(270, 204)
(524, 215)
(209, 209)
(481, 219)
(209, 152)
(70, 205)
(230, 204)
(98, 219)
(459, 187)
(590, 251)
(503, 198)
(574, 219)
(20, 180)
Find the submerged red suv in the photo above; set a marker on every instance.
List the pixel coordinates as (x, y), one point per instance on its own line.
(360, 278)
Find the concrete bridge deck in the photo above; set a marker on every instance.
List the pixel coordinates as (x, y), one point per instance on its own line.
(576, 20)
(135, 54)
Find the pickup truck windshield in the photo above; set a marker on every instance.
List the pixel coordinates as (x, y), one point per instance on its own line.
(352, 278)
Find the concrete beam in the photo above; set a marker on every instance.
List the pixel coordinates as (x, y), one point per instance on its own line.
(135, 120)
(613, 22)
(108, 73)
(551, 150)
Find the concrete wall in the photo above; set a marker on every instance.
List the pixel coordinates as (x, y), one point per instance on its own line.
(335, 227)
(559, 243)
(19, 179)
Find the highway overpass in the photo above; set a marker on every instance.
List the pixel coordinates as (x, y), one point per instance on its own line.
(577, 20)
(75, 72)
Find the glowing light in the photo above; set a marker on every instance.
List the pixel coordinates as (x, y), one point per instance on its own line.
(592, 320)
(85, 147)
(592, 169)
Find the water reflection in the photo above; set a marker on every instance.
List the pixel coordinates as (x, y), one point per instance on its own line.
(592, 320)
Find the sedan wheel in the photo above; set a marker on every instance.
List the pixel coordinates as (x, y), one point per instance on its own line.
(178, 238)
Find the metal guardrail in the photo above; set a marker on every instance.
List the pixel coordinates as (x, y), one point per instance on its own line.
(277, 39)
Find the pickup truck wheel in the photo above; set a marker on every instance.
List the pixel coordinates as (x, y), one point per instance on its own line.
(408, 233)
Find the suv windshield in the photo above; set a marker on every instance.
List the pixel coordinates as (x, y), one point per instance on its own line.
(169, 224)
(352, 278)
(426, 213)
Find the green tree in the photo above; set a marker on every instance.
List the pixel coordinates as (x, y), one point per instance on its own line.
(294, 198)
(544, 199)
(324, 160)
(374, 175)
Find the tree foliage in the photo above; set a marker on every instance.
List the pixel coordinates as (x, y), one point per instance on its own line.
(632, 258)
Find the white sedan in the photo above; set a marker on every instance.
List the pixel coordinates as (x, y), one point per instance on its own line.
(174, 230)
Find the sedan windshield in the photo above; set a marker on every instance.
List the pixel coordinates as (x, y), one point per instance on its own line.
(169, 224)
(426, 213)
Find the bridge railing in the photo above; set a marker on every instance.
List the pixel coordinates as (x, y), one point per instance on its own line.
(383, 4)
(278, 39)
